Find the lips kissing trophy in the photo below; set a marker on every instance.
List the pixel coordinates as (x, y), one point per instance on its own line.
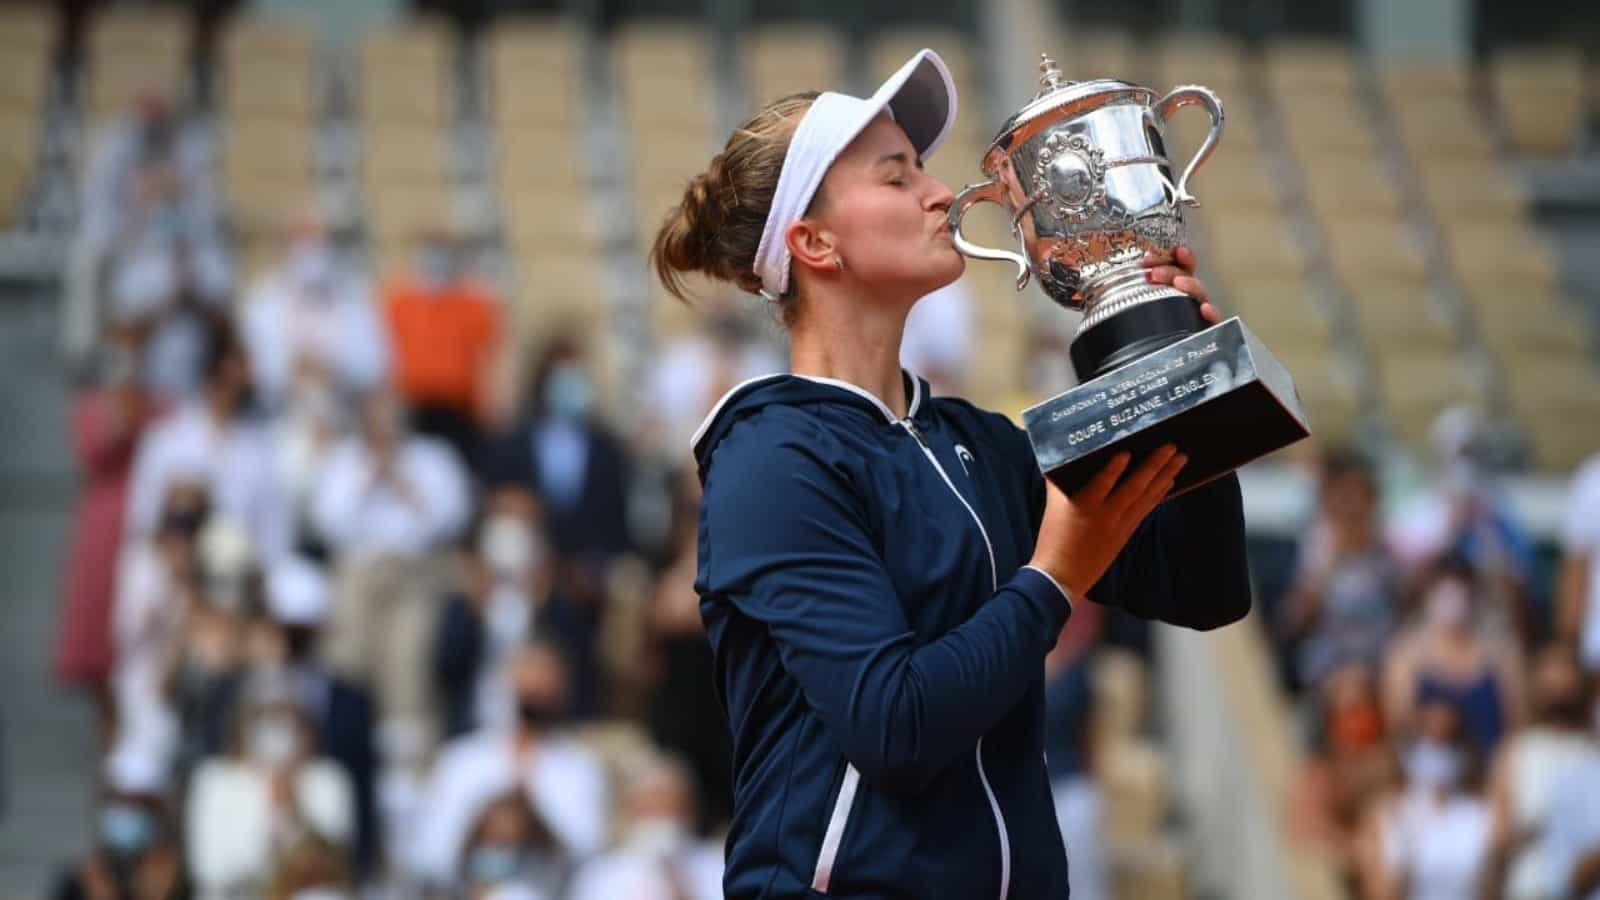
(1082, 170)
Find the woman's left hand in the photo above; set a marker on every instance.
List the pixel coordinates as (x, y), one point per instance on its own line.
(1179, 272)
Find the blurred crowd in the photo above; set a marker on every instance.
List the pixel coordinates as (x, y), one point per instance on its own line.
(1448, 693)
(361, 614)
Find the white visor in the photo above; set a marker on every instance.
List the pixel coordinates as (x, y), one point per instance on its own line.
(921, 97)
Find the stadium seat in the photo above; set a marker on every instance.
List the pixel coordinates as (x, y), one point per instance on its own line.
(1439, 128)
(535, 75)
(1469, 190)
(1395, 319)
(664, 78)
(1415, 386)
(1087, 53)
(1495, 251)
(1215, 62)
(1365, 252)
(1252, 244)
(785, 60)
(1339, 188)
(1416, 82)
(1539, 91)
(1303, 70)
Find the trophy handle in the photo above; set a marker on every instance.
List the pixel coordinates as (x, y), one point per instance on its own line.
(1193, 95)
(970, 196)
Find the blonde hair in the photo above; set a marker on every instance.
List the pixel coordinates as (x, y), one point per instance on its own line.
(716, 228)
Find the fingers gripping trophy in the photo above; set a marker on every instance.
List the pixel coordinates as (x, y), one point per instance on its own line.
(1083, 173)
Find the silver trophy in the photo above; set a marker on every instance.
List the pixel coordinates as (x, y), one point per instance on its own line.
(1083, 173)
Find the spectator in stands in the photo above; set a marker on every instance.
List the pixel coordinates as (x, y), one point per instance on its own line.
(937, 343)
(482, 627)
(146, 204)
(1429, 841)
(512, 854)
(692, 371)
(389, 501)
(1572, 830)
(1342, 606)
(1528, 769)
(1347, 768)
(213, 439)
(1449, 657)
(157, 581)
(134, 853)
(578, 468)
(681, 708)
(1578, 608)
(339, 711)
(445, 330)
(107, 423)
(250, 806)
(311, 327)
(563, 780)
(658, 856)
(1464, 516)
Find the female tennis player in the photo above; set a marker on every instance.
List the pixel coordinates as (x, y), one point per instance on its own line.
(882, 572)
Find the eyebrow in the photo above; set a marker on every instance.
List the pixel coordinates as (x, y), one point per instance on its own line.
(900, 158)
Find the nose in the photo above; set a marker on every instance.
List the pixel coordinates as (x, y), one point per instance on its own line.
(939, 196)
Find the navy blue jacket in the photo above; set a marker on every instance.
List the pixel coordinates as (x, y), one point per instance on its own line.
(879, 644)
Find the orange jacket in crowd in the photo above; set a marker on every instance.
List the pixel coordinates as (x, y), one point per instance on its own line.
(444, 342)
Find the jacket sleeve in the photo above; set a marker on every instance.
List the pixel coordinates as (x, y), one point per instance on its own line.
(785, 539)
(1185, 564)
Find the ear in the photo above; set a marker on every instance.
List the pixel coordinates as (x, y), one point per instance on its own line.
(811, 245)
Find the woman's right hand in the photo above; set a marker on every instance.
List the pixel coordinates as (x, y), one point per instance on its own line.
(1081, 534)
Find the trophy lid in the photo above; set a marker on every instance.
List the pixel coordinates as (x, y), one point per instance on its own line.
(1061, 98)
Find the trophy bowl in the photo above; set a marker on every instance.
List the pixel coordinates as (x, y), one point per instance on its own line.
(1083, 174)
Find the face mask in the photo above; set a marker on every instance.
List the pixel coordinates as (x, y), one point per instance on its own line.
(1448, 605)
(658, 835)
(273, 741)
(1431, 764)
(315, 402)
(299, 642)
(537, 713)
(127, 830)
(568, 394)
(435, 267)
(311, 264)
(508, 546)
(493, 863)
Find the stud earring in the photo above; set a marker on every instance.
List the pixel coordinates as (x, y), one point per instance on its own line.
(838, 263)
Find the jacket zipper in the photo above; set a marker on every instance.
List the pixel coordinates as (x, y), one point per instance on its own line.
(994, 578)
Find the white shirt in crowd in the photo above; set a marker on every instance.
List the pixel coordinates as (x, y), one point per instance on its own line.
(938, 335)
(656, 860)
(691, 373)
(147, 625)
(1572, 831)
(309, 311)
(1438, 843)
(233, 461)
(564, 780)
(361, 513)
(1581, 537)
(1537, 762)
(233, 834)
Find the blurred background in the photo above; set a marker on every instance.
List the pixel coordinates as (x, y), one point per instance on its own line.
(345, 509)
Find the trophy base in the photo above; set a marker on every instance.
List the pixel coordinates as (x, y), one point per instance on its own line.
(1140, 329)
(1219, 395)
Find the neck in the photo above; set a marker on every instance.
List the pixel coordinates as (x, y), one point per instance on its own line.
(853, 340)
